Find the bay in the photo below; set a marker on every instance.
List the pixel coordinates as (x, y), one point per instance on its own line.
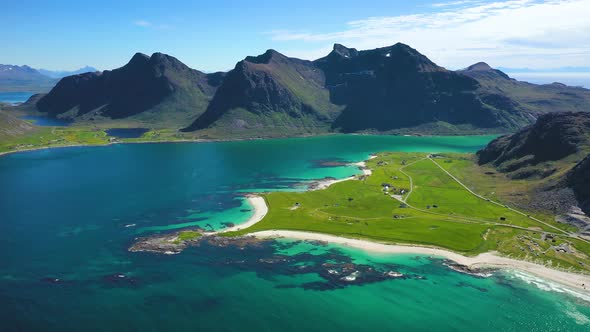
(67, 217)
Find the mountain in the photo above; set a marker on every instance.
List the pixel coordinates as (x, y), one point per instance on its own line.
(532, 99)
(397, 87)
(159, 90)
(23, 79)
(393, 89)
(271, 92)
(64, 73)
(551, 158)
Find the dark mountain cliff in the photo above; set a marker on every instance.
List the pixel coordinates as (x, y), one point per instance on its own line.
(270, 91)
(159, 83)
(395, 87)
(392, 89)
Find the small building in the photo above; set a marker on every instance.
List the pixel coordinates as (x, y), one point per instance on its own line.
(503, 218)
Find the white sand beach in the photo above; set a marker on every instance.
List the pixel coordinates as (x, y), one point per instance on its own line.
(260, 210)
(489, 259)
(579, 282)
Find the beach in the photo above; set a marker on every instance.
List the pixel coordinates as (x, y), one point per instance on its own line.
(576, 281)
(260, 210)
(323, 184)
(489, 259)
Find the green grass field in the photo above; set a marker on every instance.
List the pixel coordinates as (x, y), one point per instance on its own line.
(421, 205)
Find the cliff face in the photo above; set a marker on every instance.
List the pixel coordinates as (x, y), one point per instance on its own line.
(579, 180)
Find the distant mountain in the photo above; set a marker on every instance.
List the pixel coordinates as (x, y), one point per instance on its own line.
(393, 89)
(64, 73)
(23, 79)
(530, 99)
(159, 90)
(552, 157)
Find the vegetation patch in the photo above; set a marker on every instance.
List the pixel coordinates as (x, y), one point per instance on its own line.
(415, 198)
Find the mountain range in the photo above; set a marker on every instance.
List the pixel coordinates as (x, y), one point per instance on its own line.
(26, 79)
(393, 89)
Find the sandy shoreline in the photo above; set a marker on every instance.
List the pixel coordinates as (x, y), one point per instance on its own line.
(579, 282)
(260, 210)
(362, 165)
(488, 259)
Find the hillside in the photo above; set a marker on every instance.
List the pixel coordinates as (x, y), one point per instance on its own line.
(11, 127)
(271, 92)
(24, 78)
(393, 89)
(548, 162)
(159, 90)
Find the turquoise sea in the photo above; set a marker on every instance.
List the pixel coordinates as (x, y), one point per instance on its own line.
(67, 217)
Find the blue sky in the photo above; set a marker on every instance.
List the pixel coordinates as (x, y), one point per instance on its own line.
(214, 35)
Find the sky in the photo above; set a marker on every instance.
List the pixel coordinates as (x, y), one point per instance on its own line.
(214, 35)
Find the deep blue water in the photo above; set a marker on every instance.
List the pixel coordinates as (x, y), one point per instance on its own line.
(45, 121)
(14, 97)
(65, 227)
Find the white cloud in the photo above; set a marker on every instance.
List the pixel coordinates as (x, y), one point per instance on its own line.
(513, 33)
(143, 23)
(148, 24)
(455, 3)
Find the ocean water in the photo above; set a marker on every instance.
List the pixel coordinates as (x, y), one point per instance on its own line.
(67, 217)
(14, 97)
(46, 121)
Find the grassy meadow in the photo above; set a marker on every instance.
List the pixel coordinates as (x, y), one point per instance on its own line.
(409, 199)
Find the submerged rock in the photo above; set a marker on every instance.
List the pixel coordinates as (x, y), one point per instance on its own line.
(476, 272)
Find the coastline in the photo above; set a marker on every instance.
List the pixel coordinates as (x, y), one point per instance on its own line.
(196, 140)
(488, 259)
(260, 209)
(362, 165)
(579, 282)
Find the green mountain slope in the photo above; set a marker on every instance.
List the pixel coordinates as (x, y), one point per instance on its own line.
(270, 93)
(549, 161)
(11, 127)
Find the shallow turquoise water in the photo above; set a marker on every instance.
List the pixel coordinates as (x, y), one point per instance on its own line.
(64, 212)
